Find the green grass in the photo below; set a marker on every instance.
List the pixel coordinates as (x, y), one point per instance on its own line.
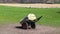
(51, 16)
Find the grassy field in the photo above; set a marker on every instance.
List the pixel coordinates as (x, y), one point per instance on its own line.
(51, 16)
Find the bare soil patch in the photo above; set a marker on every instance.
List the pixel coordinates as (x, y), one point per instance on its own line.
(34, 5)
(11, 29)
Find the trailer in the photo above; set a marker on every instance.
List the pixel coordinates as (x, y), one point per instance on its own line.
(29, 22)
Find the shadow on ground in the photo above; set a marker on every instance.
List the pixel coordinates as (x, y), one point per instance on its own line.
(20, 27)
(58, 12)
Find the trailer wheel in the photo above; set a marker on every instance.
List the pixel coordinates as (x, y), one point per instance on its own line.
(25, 26)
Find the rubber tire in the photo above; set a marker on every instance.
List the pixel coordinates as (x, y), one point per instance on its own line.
(25, 26)
(33, 26)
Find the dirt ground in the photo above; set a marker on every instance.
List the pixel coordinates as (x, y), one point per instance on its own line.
(40, 29)
(34, 5)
